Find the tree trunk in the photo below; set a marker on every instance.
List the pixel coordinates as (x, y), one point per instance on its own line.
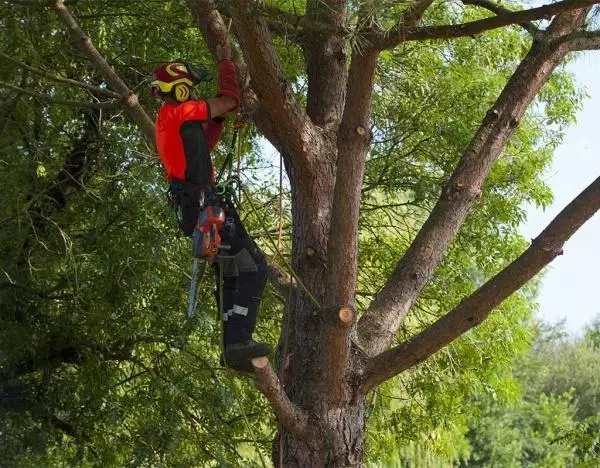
(337, 422)
(343, 442)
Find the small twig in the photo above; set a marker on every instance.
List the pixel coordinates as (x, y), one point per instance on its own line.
(498, 9)
(60, 79)
(62, 102)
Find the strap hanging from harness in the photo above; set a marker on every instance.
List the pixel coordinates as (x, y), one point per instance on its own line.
(228, 162)
(210, 222)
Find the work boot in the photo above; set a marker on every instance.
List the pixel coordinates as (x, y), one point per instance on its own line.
(238, 356)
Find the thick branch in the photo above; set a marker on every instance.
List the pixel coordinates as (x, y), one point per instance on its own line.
(385, 314)
(288, 128)
(338, 342)
(85, 45)
(270, 99)
(498, 9)
(209, 21)
(353, 140)
(326, 62)
(289, 416)
(583, 40)
(401, 33)
(216, 33)
(354, 137)
(475, 309)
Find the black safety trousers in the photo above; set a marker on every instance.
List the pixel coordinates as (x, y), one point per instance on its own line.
(244, 273)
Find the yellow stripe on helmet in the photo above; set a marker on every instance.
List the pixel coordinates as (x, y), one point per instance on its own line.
(167, 87)
(176, 69)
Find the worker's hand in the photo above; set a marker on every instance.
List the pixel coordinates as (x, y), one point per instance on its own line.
(223, 52)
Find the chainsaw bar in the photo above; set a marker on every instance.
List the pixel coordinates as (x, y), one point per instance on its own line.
(193, 288)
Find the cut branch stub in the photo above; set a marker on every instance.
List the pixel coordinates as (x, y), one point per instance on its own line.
(346, 315)
(339, 320)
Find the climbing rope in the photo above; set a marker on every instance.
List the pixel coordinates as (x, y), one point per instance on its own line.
(276, 249)
(224, 188)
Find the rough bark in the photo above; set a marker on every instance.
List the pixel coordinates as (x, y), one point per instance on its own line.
(326, 63)
(289, 128)
(343, 430)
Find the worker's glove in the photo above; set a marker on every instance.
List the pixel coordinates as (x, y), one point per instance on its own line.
(228, 85)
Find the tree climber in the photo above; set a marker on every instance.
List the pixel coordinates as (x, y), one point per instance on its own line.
(187, 129)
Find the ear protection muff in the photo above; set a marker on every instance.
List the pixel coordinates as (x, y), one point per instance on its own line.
(181, 92)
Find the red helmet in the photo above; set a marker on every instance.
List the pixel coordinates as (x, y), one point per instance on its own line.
(176, 78)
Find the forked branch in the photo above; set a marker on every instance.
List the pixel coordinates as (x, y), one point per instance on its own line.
(288, 127)
(499, 10)
(583, 40)
(378, 325)
(403, 33)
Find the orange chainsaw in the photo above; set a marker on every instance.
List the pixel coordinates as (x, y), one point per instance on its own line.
(206, 240)
(206, 243)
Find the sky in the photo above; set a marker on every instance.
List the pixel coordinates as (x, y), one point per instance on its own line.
(571, 285)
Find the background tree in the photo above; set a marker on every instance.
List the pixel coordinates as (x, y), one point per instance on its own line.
(555, 420)
(379, 180)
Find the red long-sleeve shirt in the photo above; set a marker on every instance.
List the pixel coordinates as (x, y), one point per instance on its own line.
(185, 135)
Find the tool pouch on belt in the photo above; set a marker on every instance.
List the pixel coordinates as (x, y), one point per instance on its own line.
(241, 262)
(185, 198)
